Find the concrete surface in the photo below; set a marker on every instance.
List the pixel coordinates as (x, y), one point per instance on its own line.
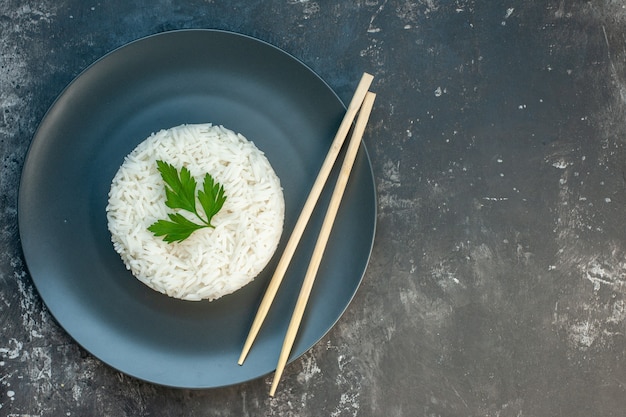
(497, 284)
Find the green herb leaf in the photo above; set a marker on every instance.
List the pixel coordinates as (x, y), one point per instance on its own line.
(179, 190)
(211, 197)
(176, 230)
(180, 193)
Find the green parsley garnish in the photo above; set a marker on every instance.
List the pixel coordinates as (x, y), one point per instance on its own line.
(180, 193)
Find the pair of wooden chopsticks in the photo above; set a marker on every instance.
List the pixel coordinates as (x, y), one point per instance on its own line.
(363, 100)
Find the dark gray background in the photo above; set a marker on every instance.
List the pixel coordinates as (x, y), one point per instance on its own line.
(497, 284)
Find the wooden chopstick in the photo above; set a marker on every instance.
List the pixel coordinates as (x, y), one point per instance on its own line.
(305, 214)
(322, 239)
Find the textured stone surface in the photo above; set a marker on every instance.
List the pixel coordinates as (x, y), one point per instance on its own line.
(497, 284)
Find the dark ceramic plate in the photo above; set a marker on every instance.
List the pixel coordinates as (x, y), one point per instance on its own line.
(190, 76)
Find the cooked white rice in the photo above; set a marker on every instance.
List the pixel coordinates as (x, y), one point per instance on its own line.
(211, 262)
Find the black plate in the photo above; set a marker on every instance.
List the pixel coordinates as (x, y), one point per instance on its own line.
(189, 76)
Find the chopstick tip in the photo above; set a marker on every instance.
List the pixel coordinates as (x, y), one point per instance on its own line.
(274, 386)
(366, 79)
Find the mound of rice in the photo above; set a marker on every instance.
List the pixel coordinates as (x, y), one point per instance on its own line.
(211, 262)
